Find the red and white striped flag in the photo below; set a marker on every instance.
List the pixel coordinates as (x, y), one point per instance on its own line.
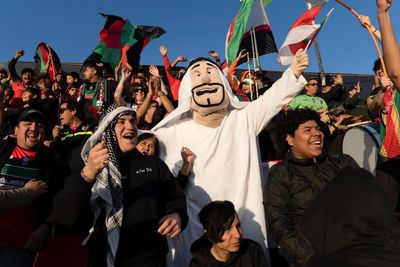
(299, 35)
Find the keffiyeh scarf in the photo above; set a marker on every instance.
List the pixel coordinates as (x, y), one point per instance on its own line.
(107, 190)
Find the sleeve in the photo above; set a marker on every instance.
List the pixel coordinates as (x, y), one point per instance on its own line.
(294, 103)
(279, 217)
(72, 202)
(261, 111)
(173, 195)
(11, 199)
(182, 180)
(173, 84)
(231, 72)
(11, 69)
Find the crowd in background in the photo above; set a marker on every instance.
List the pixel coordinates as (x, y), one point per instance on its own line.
(45, 123)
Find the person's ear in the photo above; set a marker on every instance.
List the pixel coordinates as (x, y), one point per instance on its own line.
(289, 140)
(73, 112)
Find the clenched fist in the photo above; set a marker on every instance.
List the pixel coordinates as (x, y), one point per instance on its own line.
(300, 63)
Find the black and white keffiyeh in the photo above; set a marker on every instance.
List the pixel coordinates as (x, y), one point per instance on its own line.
(107, 190)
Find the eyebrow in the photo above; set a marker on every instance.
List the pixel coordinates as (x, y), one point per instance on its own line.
(211, 65)
(195, 66)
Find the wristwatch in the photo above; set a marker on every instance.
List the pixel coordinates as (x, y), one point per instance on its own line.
(160, 93)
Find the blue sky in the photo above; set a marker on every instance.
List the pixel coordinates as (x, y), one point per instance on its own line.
(193, 27)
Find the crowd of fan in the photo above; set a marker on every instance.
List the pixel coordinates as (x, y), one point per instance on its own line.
(64, 111)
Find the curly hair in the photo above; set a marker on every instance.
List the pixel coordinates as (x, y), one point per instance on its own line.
(288, 123)
(217, 217)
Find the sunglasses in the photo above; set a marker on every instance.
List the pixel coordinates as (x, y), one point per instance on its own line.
(312, 84)
(138, 89)
(62, 110)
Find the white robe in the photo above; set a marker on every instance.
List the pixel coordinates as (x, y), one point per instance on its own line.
(227, 162)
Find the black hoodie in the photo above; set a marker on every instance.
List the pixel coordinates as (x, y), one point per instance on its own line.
(250, 254)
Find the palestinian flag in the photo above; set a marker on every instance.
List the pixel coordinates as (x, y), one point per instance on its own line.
(299, 35)
(390, 126)
(251, 17)
(120, 39)
(47, 60)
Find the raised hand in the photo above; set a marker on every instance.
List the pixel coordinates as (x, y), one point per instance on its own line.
(187, 155)
(300, 62)
(96, 161)
(213, 54)
(242, 54)
(163, 50)
(383, 5)
(154, 71)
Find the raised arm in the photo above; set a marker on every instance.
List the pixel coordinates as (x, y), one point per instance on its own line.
(11, 65)
(215, 55)
(391, 53)
(146, 102)
(366, 22)
(261, 111)
(118, 94)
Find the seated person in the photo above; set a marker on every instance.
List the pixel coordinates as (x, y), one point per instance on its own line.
(222, 243)
(293, 183)
(310, 98)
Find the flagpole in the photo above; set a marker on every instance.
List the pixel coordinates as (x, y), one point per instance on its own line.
(256, 61)
(318, 55)
(248, 69)
(370, 33)
(253, 60)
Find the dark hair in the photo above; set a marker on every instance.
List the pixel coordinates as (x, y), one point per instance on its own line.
(216, 217)
(145, 136)
(74, 75)
(377, 65)
(74, 105)
(288, 123)
(74, 85)
(28, 70)
(98, 66)
(34, 91)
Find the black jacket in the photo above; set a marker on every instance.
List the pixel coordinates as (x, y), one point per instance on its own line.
(290, 188)
(250, 254)
(360, 229)
(150, 193)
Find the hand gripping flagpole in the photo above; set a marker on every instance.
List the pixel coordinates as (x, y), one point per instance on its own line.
(370, 33)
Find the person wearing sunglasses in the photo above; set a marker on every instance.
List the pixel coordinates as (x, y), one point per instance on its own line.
(310, 98)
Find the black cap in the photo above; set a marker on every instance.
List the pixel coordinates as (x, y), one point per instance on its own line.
(27, 115)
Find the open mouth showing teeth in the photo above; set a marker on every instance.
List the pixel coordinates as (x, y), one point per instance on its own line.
(202, 92)
(316, 143)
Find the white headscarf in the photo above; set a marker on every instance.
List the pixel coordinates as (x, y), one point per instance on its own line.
(185, 97)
